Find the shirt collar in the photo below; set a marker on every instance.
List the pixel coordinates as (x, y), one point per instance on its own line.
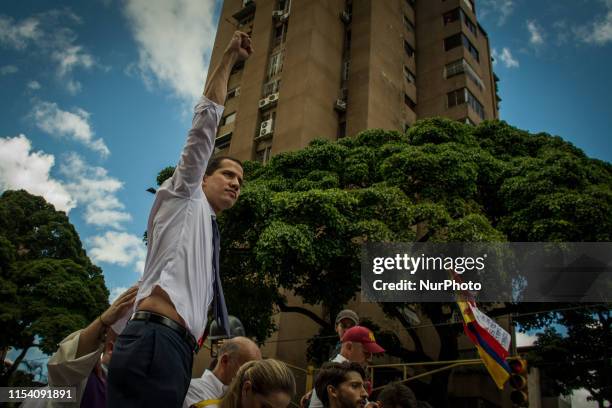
(214, 381)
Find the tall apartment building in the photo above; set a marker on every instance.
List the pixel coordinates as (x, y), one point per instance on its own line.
(332, 68)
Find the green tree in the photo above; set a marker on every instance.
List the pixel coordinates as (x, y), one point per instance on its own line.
(302, 217)
(575, 350)
(48, 285)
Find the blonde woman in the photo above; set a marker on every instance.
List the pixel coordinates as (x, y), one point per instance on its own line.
(260, 384)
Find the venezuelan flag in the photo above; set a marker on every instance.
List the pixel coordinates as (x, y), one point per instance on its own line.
(493, 353)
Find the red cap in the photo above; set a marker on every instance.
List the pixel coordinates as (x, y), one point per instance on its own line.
(363, 335)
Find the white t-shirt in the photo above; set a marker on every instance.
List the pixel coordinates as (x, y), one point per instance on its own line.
(315, 402)
(208, 387)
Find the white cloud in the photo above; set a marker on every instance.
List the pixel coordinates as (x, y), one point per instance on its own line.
(49, 35)
(33, 85)
(18, 35)
(8, 70)
(536, 37)
(118, 248)
(94, 188)
(502, 9)
(115, 293)
(73, 125)
(71, 57)
(562, 31)
(505, 57)
(20, 168)
(598, 32)
(524, 339)
(175, 39)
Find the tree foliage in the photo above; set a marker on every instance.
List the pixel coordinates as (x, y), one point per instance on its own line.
(48, 285)
(581, 357)
(302, 217)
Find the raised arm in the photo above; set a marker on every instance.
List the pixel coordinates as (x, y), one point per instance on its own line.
(187, 178)
(90, 337)
(239, 49)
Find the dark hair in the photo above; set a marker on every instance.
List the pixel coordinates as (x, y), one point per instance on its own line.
(397, 395)
(215, 163)
(333, 374)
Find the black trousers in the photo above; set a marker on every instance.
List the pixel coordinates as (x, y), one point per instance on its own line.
(150, 367)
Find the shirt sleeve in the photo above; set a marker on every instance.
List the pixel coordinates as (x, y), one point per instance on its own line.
(315, 402)
(187, 178)
(66, 370)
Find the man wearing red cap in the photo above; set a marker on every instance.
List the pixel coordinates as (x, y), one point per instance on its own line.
(358, 345)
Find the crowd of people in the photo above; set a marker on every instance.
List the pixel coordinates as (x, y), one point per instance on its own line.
(139, 352)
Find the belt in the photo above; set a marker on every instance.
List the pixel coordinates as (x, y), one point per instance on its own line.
(164, 321)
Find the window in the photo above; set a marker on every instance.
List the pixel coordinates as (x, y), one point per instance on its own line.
(457, 97)
(284, 5)
(223, 142)
(226, 120)
(271, 87)
(271, 114)
(264, 155)
(341, 129)
(346, 65)
(462, 66)
(469, 24)
(233, 93)
(455, 40)
(451, 16)
(410, 3)
(409, 75)
(408, 48)
(409, 25)
(452, 42)
(475, 105)
(408, 101)
(276, 64)
(470, 47)
(454, 68)
(463, 95)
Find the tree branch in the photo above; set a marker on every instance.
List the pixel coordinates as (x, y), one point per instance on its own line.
(283, 307)
(17, 361)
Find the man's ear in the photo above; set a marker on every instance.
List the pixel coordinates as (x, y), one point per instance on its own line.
(331, 391)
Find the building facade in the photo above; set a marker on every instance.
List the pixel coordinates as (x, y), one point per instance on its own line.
(332, 68)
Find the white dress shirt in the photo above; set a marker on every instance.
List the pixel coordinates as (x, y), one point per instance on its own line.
(208, 387)
(179, 230)
(315, 402)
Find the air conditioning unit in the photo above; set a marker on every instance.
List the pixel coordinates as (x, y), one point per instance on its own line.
(345, 17)
(284, 17)
(237, 92)
(340, 105)
(246, 2)
(277, 14)
(273, 97)
(266, 128)
(263, 102)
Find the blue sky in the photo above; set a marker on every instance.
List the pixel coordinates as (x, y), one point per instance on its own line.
(96, 98)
